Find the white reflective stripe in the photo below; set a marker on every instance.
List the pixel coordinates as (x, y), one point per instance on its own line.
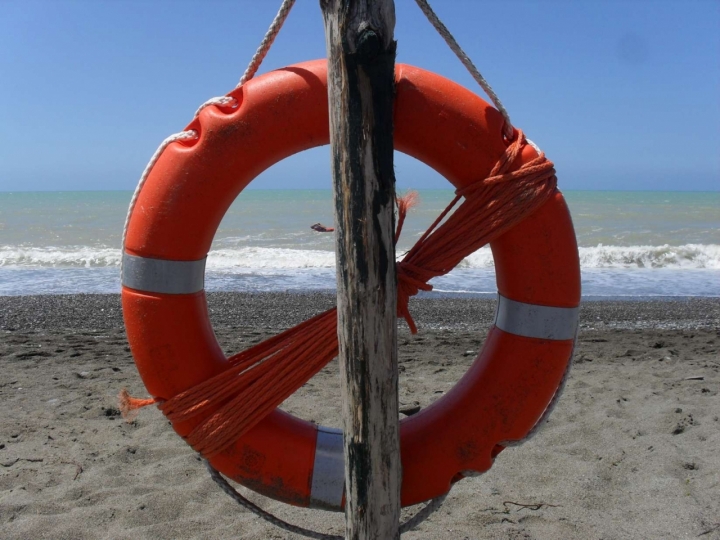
(328, 480)
(163, 276)
(530, 320)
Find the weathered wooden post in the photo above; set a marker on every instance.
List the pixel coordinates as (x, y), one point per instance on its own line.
(361, 65)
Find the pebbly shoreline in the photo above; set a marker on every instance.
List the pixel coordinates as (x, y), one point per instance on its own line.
(282, 310)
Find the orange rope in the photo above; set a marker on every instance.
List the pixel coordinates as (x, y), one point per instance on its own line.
(129, 405)
(259, 379)
(491, 207)
(404, 204)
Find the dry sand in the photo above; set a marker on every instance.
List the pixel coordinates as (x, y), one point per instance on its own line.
(632, 450)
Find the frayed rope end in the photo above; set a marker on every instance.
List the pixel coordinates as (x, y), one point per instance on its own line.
(410, 200)
(130, 406)
(404, 203)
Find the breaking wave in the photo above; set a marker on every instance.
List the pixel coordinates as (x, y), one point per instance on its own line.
(259, 259)
(688, 256)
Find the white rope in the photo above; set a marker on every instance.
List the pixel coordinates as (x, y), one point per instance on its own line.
(267, 41)
(223, 101)
(182, 136)
(465, 59)
(250, 72)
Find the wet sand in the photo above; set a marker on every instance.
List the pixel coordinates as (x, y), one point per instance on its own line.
(630, 452)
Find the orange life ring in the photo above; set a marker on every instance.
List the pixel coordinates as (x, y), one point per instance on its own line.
(507, 389)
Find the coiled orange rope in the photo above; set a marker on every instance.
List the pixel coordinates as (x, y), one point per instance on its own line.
(259, 379)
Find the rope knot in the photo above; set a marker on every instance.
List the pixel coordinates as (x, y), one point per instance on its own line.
(538, 170)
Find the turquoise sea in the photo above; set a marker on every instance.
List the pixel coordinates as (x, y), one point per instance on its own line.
(632, 244)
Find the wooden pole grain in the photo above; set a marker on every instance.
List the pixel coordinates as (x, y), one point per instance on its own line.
(361, 66)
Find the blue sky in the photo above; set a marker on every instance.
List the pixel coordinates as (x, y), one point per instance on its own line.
(620, 94)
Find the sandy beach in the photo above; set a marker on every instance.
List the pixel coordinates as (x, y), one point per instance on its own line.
(631, 452)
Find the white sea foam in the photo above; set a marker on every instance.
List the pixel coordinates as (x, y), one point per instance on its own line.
(688, 256)
(53, 257)
(482, 258)
(261, 259)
